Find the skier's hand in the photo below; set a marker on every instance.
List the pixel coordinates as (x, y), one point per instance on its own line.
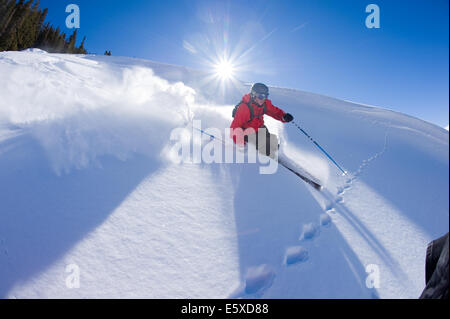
(288, 118)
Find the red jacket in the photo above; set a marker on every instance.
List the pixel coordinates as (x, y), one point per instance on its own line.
(242, 117)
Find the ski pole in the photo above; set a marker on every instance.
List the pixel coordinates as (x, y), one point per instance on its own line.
(320, 147)
(210, 135)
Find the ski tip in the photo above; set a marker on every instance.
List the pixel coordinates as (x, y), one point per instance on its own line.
(316, 186)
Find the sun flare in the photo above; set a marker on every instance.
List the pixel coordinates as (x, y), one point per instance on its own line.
(224, 69)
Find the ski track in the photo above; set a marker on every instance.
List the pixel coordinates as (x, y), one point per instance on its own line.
(341, 190)
(337, 206)
(259, 279)
(339, 199)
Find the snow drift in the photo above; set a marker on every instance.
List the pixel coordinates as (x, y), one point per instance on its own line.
(87, 190)
(79, 111)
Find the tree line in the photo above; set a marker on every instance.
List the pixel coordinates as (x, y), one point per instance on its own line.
(22, 27)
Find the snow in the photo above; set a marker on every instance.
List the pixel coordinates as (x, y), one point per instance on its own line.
(93, 205)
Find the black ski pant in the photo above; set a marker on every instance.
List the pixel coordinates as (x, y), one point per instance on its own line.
(265, 142)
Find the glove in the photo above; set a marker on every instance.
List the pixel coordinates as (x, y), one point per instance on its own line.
(288, 118)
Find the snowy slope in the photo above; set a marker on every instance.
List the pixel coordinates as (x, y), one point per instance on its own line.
(89, 188)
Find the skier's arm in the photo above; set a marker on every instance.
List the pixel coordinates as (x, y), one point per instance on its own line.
(275, 112)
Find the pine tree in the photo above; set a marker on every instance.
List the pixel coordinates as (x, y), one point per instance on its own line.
(43, 36)
(26, 32)
(42, 18)
(6, 12)
(52, 39)
(6, 29)
(59, 45)
(72, 42)
(12, 36)
(81, 49)
(9, 8)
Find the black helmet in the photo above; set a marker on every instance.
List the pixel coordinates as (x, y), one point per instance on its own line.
(259, 88)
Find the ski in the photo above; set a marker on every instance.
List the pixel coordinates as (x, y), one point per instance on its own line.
(307, 180)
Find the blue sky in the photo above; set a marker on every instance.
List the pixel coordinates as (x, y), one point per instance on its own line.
(320, 46)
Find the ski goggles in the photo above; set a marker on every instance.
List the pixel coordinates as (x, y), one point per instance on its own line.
(261, 96)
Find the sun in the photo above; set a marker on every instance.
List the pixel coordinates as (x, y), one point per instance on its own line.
(224, 69)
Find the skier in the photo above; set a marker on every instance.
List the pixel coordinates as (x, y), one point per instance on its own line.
(248, 121)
